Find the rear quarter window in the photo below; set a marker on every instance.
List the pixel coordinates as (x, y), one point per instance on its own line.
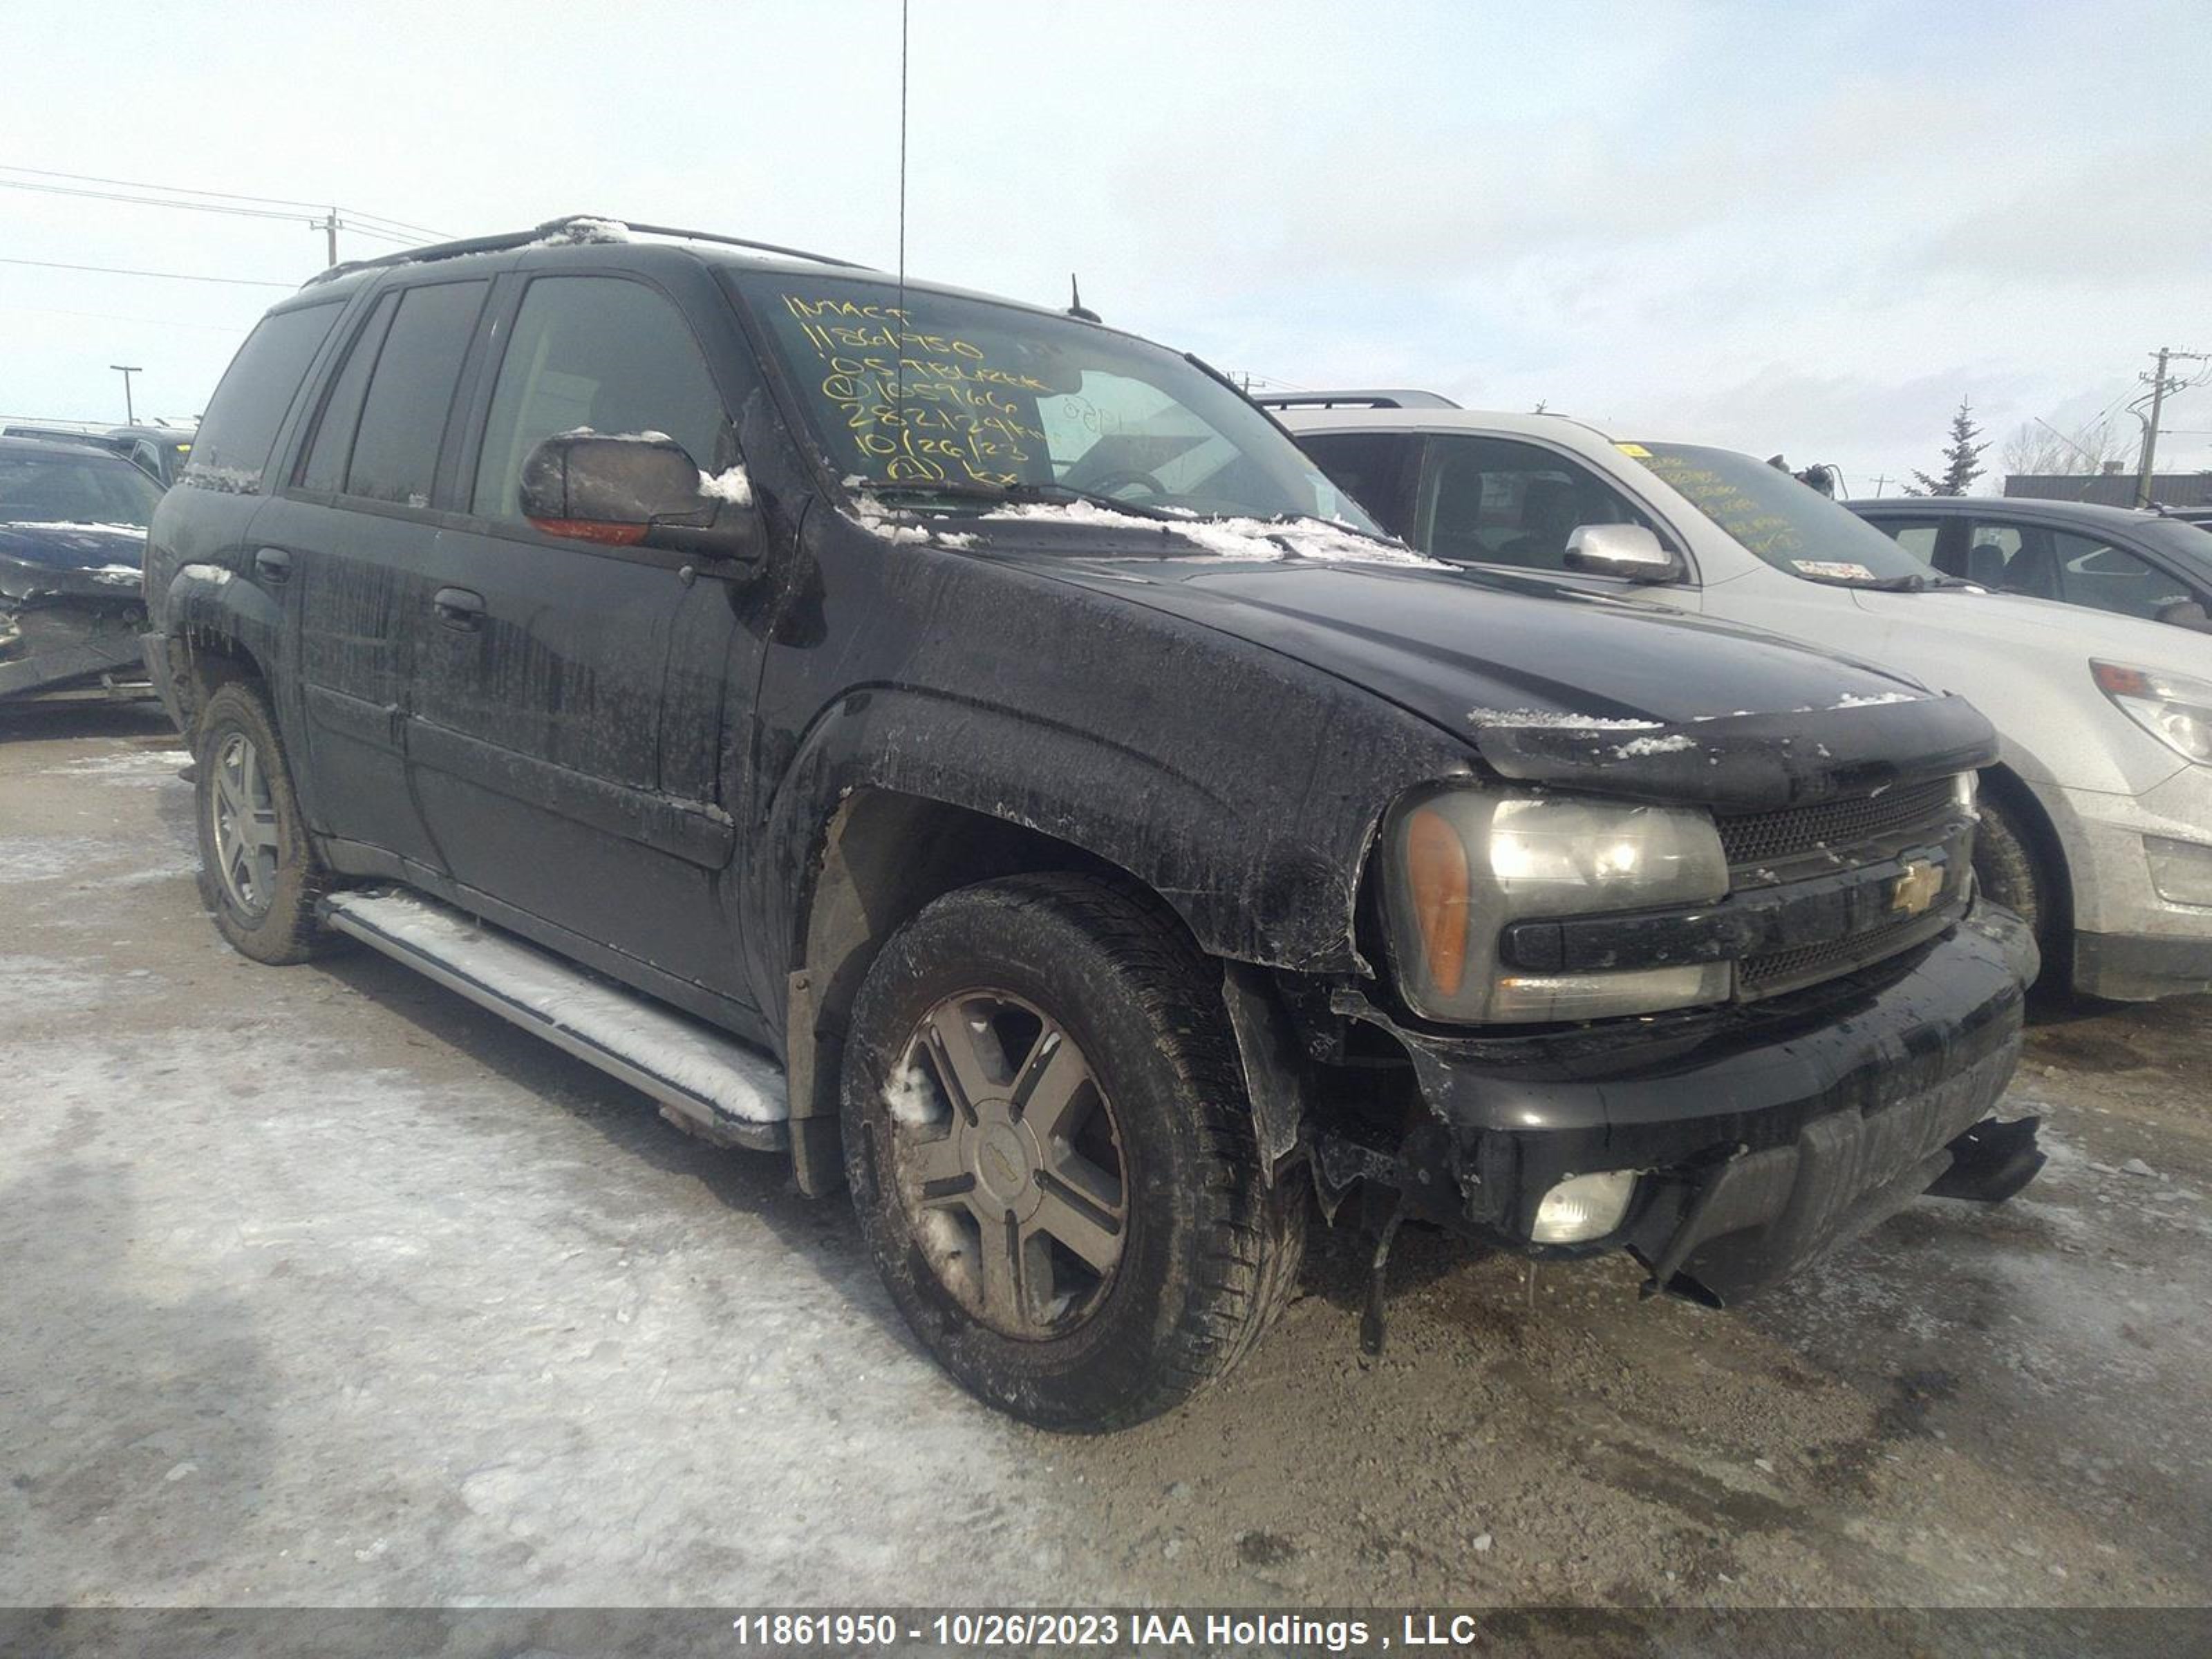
(230, 452)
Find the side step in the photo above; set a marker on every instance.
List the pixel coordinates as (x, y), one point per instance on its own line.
(707, 1082)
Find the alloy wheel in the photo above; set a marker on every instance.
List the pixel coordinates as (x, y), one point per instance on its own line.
(243, 818)
(1008, 1160)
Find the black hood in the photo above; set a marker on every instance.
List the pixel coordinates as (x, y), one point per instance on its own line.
(1551, 683)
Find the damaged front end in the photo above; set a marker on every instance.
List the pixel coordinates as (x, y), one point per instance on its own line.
(70, 613)
(1723, 1038)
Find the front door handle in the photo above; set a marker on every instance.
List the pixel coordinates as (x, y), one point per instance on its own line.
(459, 607)
(272, 564)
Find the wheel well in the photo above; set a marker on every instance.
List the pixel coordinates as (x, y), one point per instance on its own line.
(884, 856)
(2019, 803)
(202, 663)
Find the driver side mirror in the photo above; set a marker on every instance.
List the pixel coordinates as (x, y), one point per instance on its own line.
(628, 491)
(1627, 551)
(2186, 613)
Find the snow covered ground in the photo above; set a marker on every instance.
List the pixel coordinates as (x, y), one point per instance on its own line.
(318, 1286)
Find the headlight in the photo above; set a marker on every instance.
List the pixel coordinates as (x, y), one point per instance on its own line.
(2174, 708)
(1464, 862)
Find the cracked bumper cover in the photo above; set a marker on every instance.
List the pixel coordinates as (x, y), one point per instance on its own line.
(1768, 1134)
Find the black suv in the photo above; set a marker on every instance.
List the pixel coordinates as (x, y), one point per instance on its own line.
(970, 751)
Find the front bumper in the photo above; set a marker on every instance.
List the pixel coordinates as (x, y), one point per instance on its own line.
(1767, 1132)
(2131, 943)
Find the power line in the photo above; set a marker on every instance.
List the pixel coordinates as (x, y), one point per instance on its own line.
(223, 195)
(231, 329)
(211, 207)
(169, 276)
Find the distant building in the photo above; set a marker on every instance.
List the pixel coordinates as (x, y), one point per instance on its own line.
(2113, 486)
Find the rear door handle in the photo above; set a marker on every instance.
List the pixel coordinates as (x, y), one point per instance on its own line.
(459, 607)
(272, 564)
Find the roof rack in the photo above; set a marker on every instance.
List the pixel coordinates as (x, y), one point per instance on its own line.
(578, 227)
(1402, 399)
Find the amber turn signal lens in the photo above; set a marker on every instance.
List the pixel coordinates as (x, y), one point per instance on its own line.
(2121, 682)
(1435, 865)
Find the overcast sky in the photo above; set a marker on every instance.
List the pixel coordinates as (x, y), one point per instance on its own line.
(1805, 229)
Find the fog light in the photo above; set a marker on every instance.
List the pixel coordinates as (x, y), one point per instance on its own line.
(1584, 1206)
(2180, 870)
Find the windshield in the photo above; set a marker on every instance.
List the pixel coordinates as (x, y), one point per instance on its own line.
(1790, 526)
(982, 399)
(93, 488)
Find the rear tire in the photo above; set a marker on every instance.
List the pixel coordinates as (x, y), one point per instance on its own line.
(1040, 1085)
(259, 877)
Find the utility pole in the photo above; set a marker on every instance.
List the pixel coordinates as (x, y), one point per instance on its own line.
(2159, 385)
(329, 227)
(2150, 432)
(130, 409)
(1880, 484)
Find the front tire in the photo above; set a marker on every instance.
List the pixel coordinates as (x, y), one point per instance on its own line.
(259, 877)
(2009, 869)
(1050, 1151)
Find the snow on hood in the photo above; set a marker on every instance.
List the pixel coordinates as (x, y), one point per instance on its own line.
(1271, 540)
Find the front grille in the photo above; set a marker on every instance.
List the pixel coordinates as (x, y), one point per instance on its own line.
(1809, 965)
(1753, 839)
(1826, 841)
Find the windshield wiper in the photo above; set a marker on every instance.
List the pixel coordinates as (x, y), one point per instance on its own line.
(1014, 494)
(1382, 536)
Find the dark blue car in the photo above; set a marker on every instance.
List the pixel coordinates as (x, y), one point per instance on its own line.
(72, 545)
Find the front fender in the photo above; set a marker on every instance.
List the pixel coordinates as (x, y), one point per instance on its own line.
(1262, 864)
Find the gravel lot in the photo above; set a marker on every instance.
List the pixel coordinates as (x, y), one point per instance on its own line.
(322, 1286)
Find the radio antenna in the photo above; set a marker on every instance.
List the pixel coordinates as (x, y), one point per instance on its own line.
(899, 326)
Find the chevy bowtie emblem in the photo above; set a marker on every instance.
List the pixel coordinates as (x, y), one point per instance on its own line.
(1916, 888)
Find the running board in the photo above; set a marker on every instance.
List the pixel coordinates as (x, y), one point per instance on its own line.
(707, 1082)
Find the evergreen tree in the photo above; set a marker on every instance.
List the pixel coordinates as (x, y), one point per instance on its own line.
(1962, 458)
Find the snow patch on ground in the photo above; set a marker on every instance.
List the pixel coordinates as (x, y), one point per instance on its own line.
(740, 1081)
(132, 766)
(39, 858)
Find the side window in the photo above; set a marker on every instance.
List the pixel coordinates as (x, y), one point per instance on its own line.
(1494, 501)
(595, 351)
(1916, 536)
(2108, 578)
(231, 451)
(1375, 469)
(326, 465)
(2012, 559)
(403, 420)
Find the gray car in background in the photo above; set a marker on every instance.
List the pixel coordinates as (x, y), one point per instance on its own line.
(2133, 563)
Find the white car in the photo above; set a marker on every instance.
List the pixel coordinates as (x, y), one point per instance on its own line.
(2097, 822)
